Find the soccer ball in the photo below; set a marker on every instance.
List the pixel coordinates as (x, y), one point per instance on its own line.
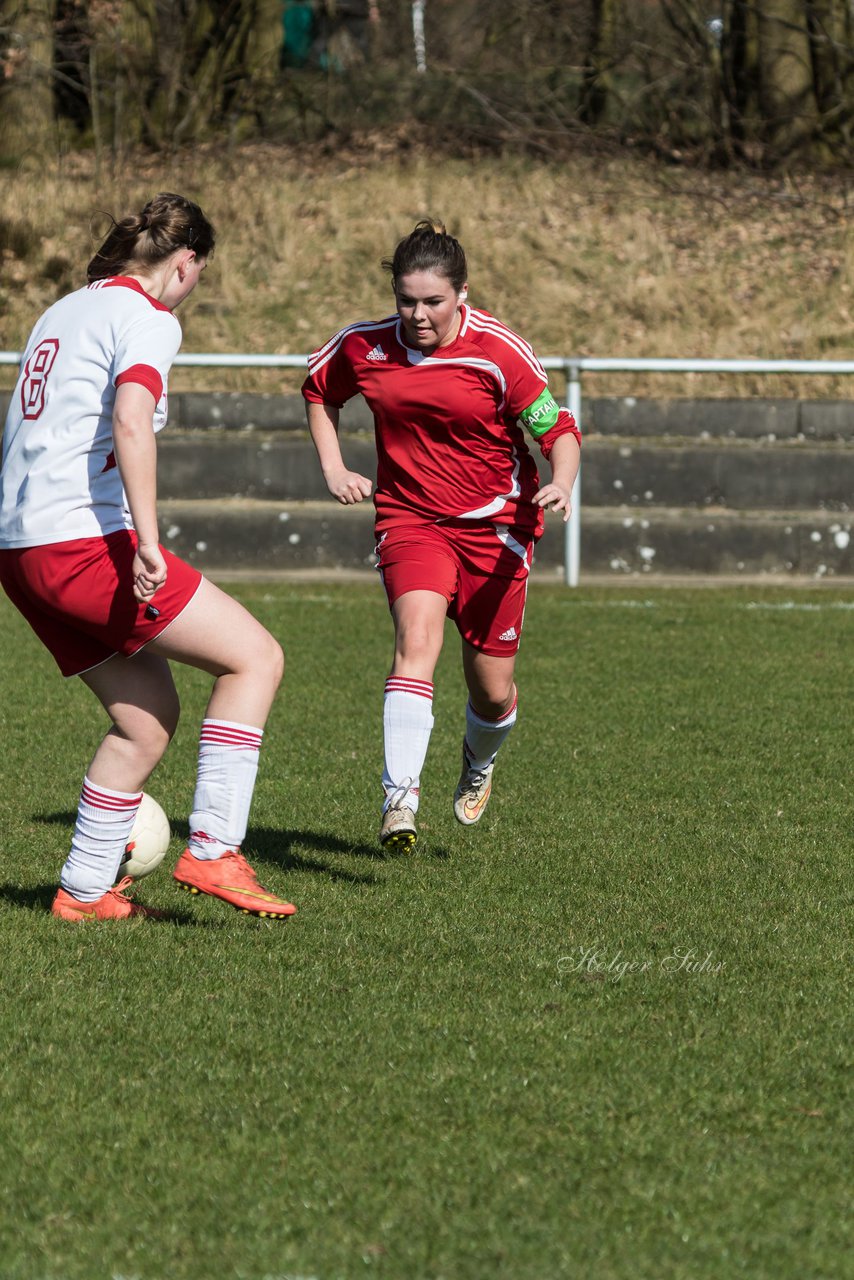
(149, 840)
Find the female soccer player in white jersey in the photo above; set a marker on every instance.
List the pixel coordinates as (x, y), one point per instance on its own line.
(81, 560)
(459, 503)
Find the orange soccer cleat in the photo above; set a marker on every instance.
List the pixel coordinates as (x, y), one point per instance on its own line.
(232, 879)
(113, 905)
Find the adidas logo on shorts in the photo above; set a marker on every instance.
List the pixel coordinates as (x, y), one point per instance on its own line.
(509, 634)
(376, 354)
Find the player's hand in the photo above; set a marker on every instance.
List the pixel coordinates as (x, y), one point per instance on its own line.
(149, 571)
(348, 487)
(555, 497)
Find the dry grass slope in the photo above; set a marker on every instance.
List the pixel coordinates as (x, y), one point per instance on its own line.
(610, 257)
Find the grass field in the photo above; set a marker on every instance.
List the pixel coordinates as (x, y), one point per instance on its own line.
(605, 1034)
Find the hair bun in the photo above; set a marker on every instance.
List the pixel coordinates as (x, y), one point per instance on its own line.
(428, 227)
(428, 247)
(172, 222)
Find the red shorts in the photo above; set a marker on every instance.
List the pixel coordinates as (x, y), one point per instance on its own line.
(78, 597)
(481, 570)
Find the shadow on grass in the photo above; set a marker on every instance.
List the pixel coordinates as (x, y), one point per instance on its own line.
(41, 896)
(275, 846)
(268, 842)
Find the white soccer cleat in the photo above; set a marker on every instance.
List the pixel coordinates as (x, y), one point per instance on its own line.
(473, 791)
(398, 829)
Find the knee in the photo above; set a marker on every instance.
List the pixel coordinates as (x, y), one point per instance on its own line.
(490, 710)
(495, 701)
(267, 658)
(169, 720)
(157, 742)
(150, 733)
(415, 642)
(275, 662)
(155, 726)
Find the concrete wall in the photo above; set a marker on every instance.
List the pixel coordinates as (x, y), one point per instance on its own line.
(706, 487)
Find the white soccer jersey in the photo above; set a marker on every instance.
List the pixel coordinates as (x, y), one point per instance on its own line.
(59, 478)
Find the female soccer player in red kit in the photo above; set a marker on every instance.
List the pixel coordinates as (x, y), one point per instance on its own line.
(459, 505)
(81, 560)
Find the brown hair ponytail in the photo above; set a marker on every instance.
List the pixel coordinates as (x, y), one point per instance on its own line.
(145, 239)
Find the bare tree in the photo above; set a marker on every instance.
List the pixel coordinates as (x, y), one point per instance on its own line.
(72, 36)
(26, 109)
(777, 77)
(787, 99)
(717, 81)
(600, 61)
(831, 28)
(199, 66)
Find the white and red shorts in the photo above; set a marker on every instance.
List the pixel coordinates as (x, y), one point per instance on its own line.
(78, 597)
(481, 570)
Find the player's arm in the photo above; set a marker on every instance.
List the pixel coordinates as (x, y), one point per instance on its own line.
(555, 430)
(345, 485)
(136, 457)
(564, 457)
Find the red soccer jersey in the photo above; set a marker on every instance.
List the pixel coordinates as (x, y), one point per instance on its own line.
(449, 440)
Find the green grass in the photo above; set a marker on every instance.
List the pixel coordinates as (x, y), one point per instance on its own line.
(489, 1059)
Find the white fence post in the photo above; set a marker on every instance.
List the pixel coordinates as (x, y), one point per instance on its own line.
(572, 529)
(418, 34)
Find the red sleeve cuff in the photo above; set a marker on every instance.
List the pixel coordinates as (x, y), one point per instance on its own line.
(565, 425)
(145, 376)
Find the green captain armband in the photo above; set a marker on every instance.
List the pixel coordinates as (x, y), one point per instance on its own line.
(540, 416)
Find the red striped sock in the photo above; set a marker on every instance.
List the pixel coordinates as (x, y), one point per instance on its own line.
(407, 725)
(484, 737)
(228, 766)
(104, 822)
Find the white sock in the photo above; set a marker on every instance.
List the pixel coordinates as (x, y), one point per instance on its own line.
(101, 833)
(228, 766)
(484, 737)
(407, 724)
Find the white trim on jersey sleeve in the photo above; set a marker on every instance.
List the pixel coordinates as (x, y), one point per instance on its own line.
(324, 354)
(482, 323)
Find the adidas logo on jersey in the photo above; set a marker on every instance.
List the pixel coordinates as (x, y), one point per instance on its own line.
(509, 634)
(376, 354)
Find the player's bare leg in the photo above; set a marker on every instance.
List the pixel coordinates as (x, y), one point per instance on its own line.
(216, 634)
(490, 681)
(419, 629)
(490, 715)
(140, 698)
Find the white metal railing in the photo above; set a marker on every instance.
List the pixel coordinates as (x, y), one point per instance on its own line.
(573, 367)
